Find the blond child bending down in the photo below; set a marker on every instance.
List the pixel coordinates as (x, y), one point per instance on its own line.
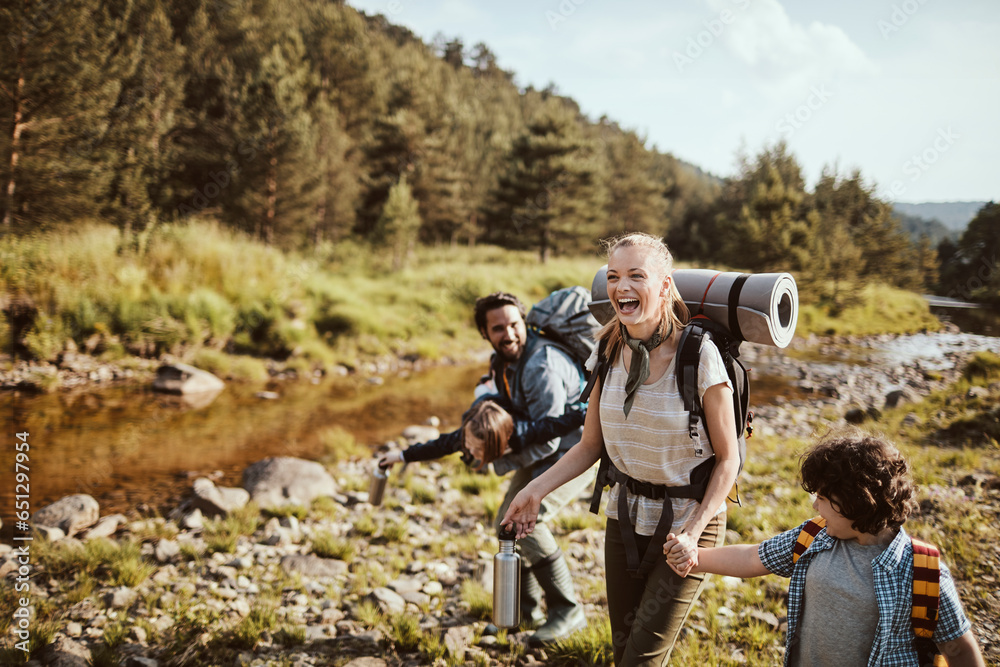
(850, 594)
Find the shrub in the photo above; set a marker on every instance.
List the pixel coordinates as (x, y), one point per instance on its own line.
(983, 366)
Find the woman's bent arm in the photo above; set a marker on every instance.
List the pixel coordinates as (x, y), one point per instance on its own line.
(523, 510)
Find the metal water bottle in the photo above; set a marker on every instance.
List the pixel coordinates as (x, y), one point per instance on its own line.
(507, 582)
(377, 488)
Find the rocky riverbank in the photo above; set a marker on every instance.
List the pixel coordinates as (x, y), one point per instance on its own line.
(295, 567)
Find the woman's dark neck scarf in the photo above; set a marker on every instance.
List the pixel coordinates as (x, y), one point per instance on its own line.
(638, 371)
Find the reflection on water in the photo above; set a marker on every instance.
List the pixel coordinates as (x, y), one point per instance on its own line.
(127, 446)
(933, 350)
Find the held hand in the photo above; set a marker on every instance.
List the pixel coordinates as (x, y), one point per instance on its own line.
(522, 512)
(387, 459)
(681, 552)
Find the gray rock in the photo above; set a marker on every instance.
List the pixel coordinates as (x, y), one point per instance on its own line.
(49, 533)
(120, 598)
(216, 501)
(106, 527)
(332, 616)
(388, 600)
(64, 652)
(139, 661)
(166, 550)
(71, 514)
(415, 434)
(185, 379)
(897, 397)
(193, 520)
(285, 480)
(367, 662)
(313, 566)
(457, 640)
(404, 585)
(417, 598)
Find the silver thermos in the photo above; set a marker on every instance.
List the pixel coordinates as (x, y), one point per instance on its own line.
(507, 582)
(377, 488)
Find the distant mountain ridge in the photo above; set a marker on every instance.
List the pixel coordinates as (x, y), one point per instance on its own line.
(955, 215)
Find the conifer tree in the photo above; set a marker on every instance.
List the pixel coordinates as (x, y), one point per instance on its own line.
(972, 272)
(399, 224)
(60, 75)
(763, 224)
(635, 199)
(552, 195)
(142, 120)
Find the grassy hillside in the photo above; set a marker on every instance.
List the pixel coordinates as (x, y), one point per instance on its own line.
(216, 298)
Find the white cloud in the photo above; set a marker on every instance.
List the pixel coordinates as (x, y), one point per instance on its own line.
(763, 37)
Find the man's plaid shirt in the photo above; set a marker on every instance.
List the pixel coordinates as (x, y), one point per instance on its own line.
(893, 572)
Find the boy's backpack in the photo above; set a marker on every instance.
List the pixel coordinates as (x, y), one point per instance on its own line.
(926, 594)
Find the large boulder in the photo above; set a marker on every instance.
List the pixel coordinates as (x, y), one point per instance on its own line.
(285, 480)
(71, 514)
(185, 379)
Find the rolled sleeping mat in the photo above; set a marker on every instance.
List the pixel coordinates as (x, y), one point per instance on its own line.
(757, 307)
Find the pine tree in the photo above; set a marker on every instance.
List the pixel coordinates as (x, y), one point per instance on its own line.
(276, 194)
(60, 75)
(973, 272)
(636, 200)
(552, 195)
(142, 121)
(338, 169)
(763, 224)
(399, 224)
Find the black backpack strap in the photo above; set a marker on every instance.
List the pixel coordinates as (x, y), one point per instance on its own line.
(626, 484)
(601, 372)
(688, 360)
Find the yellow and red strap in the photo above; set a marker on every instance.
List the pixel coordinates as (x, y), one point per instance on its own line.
(926, 588)
(806, 536)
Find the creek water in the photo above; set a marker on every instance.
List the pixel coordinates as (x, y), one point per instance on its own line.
(132, 448)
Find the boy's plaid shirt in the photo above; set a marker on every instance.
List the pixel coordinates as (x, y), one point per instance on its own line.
(893, 571)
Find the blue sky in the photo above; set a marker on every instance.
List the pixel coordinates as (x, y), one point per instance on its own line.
(907, 91)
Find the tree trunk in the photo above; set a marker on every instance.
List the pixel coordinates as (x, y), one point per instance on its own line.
(17, 127)
(272, 189)
(544, 245)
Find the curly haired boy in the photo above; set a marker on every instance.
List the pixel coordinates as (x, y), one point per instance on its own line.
(850, 593)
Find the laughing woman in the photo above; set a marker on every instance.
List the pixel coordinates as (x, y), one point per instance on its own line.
(663, 477)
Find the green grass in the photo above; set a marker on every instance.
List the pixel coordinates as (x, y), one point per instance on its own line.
(984, 367)
(222, 534)
(300, 512)
(590, 646)
(263, 616)
(478, 599)
(197, 288)
(881, 309)
(326, 545)
(339, 444)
